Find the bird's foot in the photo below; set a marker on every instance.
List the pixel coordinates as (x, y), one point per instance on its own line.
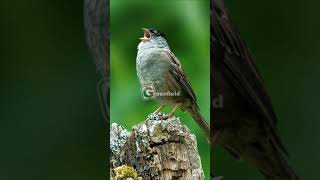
(168, 116)
(158, 110)
(171, 114)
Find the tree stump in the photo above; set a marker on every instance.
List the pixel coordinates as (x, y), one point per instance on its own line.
(158, 148)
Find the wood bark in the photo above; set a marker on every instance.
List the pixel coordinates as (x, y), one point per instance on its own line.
(158, 148)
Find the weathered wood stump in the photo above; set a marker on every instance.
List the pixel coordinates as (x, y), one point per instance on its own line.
(157, 149)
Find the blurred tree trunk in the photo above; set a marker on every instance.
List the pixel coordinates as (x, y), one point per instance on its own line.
(157, 148)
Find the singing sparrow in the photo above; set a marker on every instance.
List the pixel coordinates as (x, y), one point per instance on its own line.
(246, 125)
(159, 67)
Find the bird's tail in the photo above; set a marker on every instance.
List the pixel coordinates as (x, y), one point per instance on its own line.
(277, 167)
(197, 116)
(270, 160)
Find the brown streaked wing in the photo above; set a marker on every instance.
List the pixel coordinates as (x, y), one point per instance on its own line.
(179, 75)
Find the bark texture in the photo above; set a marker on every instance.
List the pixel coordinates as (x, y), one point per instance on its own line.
(158, 148)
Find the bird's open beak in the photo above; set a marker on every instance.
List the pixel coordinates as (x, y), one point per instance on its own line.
(146, 34)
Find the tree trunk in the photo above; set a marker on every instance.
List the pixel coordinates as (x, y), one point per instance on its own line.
(158, 148)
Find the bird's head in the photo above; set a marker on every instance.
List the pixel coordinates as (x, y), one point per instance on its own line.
(153, 39)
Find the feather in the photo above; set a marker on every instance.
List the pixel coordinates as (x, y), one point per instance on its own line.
(177, 72)
(251, 133)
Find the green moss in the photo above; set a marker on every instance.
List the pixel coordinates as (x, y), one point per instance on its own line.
(124, 172)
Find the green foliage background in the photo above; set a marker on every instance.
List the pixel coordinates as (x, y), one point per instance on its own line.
(187, 27)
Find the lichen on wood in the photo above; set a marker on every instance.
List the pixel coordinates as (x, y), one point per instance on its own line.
(158, 148)
(125, 172)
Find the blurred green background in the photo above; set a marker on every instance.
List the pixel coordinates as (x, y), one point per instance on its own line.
(284, 39)
(187, 28)
(50, 124)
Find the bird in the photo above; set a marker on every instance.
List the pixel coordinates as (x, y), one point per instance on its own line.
(157, 65)
(246, 123)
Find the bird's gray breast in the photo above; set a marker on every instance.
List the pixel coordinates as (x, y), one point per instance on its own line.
(152, 66)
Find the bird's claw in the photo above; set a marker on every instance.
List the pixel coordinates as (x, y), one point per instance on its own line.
(168, 116)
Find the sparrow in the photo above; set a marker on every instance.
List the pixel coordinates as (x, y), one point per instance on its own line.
(157, 65)
(246, 124)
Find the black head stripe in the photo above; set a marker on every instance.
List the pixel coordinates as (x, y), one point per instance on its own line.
(157, 33)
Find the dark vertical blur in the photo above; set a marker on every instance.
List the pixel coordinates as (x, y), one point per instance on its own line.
(284, 39)
(50, 124)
